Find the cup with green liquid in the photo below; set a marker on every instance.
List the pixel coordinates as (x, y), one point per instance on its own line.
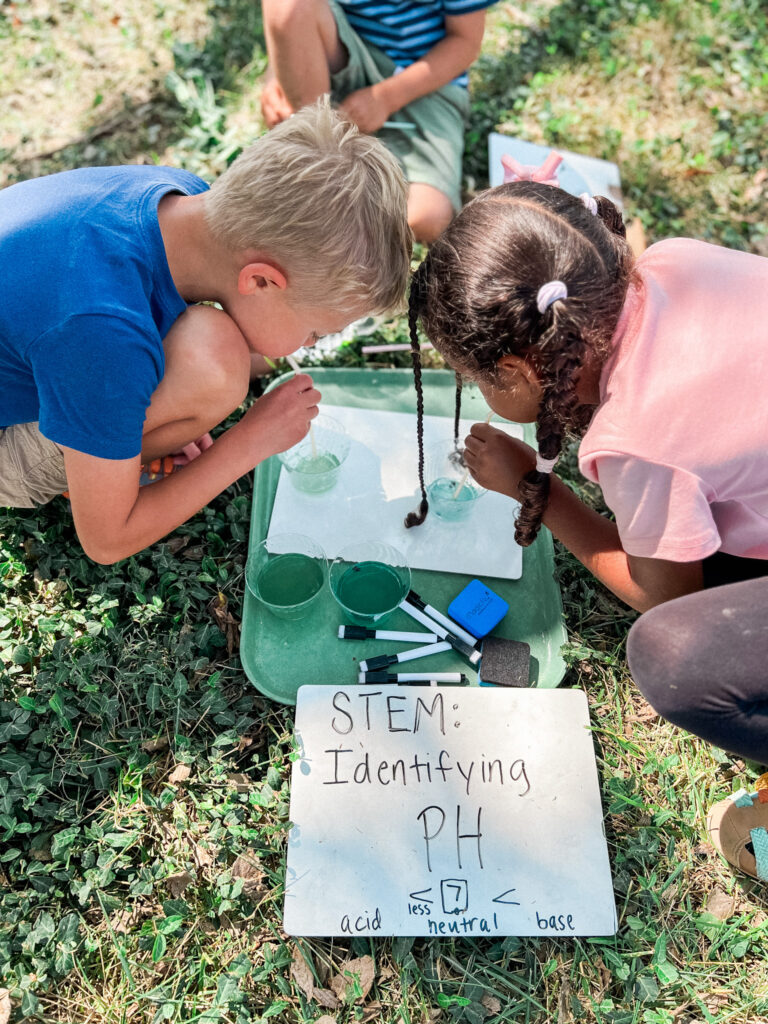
(452, 492)
(287, 573)
(314, 464)
(369, 579)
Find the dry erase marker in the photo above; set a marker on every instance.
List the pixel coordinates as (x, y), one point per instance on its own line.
(365, 633)
(456, 643)
(373, 664)
(449, 624)
(413, 677)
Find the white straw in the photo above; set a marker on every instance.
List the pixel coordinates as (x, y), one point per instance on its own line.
(297, 369)
(462, 482)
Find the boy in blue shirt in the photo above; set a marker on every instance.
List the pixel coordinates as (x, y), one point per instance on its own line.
(398, 68)
(104, 364)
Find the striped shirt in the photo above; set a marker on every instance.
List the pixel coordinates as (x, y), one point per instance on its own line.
(407, 29)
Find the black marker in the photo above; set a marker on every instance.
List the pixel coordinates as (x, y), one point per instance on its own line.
(365, 633)
(413, 677)
(383, 660)
(456, 642)
(449, 624)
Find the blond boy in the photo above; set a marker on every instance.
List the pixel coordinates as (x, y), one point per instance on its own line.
(104, 362)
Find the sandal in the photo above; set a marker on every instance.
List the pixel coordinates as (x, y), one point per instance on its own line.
(738, 828)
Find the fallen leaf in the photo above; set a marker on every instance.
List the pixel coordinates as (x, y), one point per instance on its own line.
(326, 998)
(240, 781)
(491, 1003)
(5, 1006)
(225, 620)
(201, 857)
(302, 973)
(153, 746)
(178, 883)
(326, 1019)
(372, 1011)
(180, 774)
(720, 904)
(361, 971)
(247, 868)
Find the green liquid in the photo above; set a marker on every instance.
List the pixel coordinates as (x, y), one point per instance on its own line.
(446, 503)
(289, 580)
(316, 473)
(370, 588)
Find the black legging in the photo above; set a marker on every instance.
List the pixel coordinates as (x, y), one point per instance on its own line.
(702, 660)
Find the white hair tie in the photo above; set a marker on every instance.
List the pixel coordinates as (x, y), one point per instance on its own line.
(589, 203)
(550, 292)
(544, 465)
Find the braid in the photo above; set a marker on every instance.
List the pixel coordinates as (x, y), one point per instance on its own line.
(415, 301)
(558, 409)
(457, 412)
(610, 215)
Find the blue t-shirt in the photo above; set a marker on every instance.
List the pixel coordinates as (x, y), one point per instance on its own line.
(407, 29)
(86, 298)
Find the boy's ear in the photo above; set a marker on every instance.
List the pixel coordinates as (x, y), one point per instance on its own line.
(518, 372)
(255, 276)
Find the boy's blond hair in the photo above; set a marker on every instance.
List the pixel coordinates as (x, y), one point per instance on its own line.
(328, 204)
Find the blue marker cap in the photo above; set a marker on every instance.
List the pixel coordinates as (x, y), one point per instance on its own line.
(477, 608)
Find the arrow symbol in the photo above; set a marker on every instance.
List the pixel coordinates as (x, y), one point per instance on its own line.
(500, 899)
(418, 896)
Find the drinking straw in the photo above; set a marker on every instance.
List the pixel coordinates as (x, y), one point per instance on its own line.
(297, 369)
(462, 482)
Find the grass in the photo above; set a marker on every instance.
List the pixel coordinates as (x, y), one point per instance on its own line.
(143, 782)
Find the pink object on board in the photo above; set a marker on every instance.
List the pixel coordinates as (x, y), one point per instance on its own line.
(679, 439)
(546, 173)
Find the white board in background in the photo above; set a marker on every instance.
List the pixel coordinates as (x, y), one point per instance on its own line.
(379, 485)
(371, 855)
(601, 177)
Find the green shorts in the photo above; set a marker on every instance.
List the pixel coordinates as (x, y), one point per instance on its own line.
(31, 467)
(429, 155)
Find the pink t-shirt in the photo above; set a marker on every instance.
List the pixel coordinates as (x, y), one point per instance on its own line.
(679, 441)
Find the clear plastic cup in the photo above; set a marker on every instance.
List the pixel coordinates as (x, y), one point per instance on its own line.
(287, 574)
(369, 579)
(452, 492)
(314, 464)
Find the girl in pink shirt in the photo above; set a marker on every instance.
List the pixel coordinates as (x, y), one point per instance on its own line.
(662, 363)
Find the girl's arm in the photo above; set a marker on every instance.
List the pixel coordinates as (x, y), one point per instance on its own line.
(369, 108)
(498, 462)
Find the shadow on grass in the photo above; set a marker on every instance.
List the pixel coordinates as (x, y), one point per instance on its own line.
(127, 130)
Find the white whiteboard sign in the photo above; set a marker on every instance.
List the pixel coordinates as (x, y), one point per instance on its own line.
(379, 485)
(445, 811)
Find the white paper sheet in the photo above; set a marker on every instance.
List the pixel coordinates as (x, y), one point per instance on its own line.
(379, 485)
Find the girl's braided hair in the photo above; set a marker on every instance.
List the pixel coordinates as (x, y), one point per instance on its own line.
(476, 295)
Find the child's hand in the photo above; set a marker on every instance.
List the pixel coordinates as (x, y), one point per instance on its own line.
(497, 461)
(366, 107)
(274, 103)
(282, 416)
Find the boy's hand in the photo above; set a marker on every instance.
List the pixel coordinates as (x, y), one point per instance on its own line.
(274, 103)
(367, 108)
(282, 417)
(497, 461)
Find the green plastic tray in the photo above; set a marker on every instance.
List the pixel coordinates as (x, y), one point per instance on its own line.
(280, 656)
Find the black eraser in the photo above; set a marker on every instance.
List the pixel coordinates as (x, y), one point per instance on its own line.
(504, 662)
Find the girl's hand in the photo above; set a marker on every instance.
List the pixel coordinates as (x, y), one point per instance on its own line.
(497, 461)
(281, 418)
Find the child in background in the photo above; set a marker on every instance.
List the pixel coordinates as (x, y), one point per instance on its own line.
(398, 60)
(536, 295)
(103, 363)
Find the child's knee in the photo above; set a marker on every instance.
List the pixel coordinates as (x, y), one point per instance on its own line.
(207, 347)
(286, 16)
(429, 214)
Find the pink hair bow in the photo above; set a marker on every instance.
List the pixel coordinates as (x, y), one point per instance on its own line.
(546, 173)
